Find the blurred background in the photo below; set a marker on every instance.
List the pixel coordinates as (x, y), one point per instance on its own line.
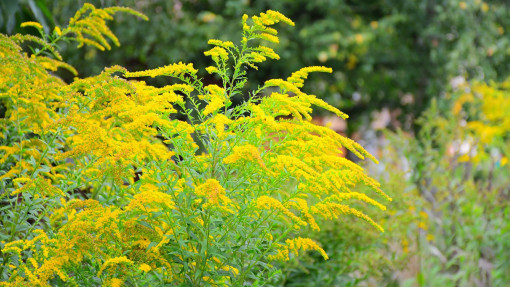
(425, 86)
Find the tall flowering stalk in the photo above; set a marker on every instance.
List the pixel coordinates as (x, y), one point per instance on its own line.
(211, 200)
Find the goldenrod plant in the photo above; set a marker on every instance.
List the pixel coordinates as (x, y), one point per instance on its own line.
(111, 181)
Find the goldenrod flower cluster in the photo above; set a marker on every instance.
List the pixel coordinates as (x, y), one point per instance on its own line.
(294, 245)
(490, 123)
(217, 54)
(215, 98)
(214, 194)
(130, 184)
(90, 27)
(172, 70)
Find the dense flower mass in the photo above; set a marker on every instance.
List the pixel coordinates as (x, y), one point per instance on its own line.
(115, 182)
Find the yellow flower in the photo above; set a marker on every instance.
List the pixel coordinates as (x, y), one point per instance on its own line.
(293, 166)
(150, 199)
(58, 31)
(405, 246)
(285, 86)
(113, 262)
(297, 78)
(359, 38)
(301, 205)
(213, 192)
(217, 53)
(246, 153)
(219, 121)
(21, 180)
(270, 203)
(267, 52)
(462, 5)
(229, 268)
(215, 97)
(277, 17)
(226, 44)
(352, 60)
(115, 282)
(211, 69)
(359, 196)
(256, 57)
(293, 245)
(172, 70)
(485, 7)
(332, 210)
(31, 24)
(144, 267)
(269, 37)
(464, 158)
(208, 17)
